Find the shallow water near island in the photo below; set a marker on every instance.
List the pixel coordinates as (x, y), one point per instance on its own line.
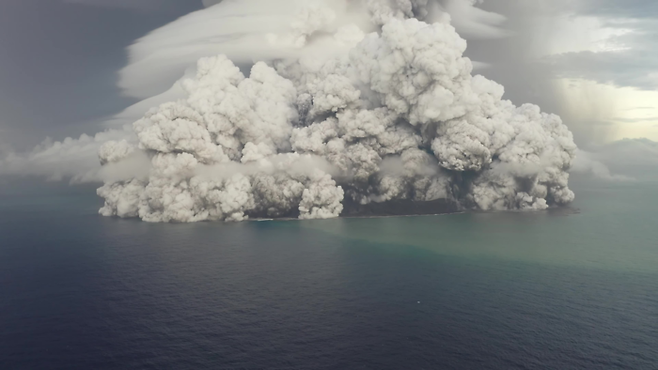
(566, 289)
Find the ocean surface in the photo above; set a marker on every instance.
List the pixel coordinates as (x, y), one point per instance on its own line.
(567, 289)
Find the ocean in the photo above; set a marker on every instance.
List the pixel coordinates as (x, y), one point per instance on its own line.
(574, 288)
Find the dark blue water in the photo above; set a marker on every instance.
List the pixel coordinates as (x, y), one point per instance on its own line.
(506, 291)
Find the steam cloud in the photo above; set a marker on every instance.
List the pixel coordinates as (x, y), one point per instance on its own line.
(393, 114)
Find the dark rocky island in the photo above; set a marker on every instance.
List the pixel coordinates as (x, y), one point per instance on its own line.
(399, 208)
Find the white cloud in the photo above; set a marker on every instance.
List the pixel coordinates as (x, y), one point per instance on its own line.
(75, 159)
(246, 31)
(252, 30)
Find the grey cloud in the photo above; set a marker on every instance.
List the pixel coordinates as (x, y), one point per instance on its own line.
(473, 22)
(144, 5)
(636, 67)
(623, 159)
(618, 9)
(127, 4)
(635, 120)
(526, 78)
(159, 58)
(634, 64)
(587, 163)
(636, 157)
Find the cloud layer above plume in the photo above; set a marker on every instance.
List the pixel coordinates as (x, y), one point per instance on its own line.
(242, 30)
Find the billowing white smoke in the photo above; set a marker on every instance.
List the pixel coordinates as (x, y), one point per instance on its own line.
(397, 117)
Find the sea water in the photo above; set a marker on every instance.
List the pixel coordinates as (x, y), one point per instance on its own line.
(575, 288)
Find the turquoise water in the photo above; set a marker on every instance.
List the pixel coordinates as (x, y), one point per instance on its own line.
(563, 289)
(609, 226)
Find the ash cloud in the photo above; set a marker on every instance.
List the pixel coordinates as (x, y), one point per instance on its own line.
(244, 30)
(392, 114)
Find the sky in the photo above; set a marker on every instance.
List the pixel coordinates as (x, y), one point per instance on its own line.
(59, 61)
(591, 61)
(65, 64)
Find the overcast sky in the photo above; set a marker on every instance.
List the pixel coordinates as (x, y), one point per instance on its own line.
(594, 62)
(59, 59)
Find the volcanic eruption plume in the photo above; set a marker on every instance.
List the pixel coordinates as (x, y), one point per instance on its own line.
(376, 105)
